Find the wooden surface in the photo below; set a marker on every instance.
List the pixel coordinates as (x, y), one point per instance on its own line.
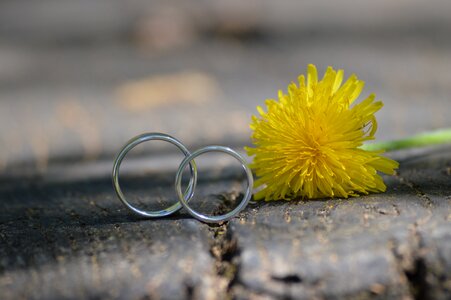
(72, 238)
(78, 80)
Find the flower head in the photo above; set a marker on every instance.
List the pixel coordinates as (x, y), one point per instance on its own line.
(307, 144)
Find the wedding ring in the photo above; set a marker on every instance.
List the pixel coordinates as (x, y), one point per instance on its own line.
(189, 192)
(184, 201)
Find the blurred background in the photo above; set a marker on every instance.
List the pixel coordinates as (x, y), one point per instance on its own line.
(79, 78)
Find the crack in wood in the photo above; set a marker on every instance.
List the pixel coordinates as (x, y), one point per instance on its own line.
(427, 202)
(224, 249)
(288, 278)
(412, 265)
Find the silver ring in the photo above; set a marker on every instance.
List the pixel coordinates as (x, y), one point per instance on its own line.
(133, 143)
(229, 215)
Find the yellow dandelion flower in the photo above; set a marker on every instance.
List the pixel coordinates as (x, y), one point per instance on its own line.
(307, 144)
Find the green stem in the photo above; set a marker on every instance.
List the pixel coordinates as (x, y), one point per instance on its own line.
(442, 136)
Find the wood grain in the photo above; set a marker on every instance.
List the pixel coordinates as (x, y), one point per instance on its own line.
(64, 67)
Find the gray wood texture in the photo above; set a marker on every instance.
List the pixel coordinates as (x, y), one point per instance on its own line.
(79, 78)
(71, 238)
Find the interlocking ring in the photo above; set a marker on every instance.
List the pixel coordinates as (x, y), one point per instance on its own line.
(214, 219)
(133, 143)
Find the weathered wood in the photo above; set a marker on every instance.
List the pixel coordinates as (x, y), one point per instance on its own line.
(50, 21)
(392, 245)
(74, 88)
(73, 239)
(76, 92)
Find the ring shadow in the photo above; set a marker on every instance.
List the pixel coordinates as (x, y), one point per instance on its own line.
(93, 201)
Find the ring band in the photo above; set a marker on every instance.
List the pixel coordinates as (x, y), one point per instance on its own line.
(141, 139)
(214, 219)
